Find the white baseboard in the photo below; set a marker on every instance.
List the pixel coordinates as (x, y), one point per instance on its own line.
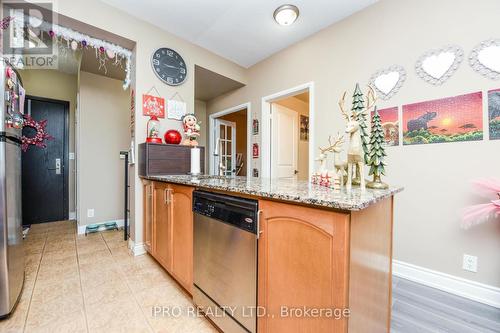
(81, 228)
(137, 249)
(455, 285)
(72, 216)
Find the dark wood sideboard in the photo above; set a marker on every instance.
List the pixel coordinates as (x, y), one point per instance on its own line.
(165, 159)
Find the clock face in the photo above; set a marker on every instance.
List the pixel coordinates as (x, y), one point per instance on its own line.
(169, 66)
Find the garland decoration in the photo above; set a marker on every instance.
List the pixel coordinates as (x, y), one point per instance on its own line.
(74, 39)
(40, 137)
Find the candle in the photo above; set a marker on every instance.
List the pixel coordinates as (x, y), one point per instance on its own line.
(195, 161)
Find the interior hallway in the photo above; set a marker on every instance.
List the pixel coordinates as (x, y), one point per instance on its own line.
(92, 284)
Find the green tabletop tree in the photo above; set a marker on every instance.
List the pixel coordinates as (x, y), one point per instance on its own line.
(359, 112)
(377, 153)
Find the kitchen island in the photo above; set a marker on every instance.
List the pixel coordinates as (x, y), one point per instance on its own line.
(324, 257)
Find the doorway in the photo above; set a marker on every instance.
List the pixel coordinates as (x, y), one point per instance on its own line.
(225, 136)
(229, 151)
(287, 146)
(45, 171)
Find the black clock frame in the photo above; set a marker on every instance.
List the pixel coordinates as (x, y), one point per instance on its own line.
(158, 75)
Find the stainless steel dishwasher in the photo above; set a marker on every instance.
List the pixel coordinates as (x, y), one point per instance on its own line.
(225, 260)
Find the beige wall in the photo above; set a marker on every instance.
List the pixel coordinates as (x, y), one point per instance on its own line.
(103, 132)
(436, 177)
(240, 119)
(148, 38)
(302, 108)
(57, 85)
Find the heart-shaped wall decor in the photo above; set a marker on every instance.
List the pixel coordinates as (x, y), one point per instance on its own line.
(439, 65)
(387, 82)
(485, 59)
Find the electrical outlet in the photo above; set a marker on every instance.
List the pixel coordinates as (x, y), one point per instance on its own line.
(90, 212)
(470, 263)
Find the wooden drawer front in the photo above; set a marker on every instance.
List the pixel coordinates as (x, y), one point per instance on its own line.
(161, 152)
(163, 159)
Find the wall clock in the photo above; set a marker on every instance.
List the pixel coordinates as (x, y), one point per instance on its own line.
(169, 66)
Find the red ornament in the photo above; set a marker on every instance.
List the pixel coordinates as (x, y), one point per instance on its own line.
(51, 33)
(101, 49)
(40, 137)
(173, 137)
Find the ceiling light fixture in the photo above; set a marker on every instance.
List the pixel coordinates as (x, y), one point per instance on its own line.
(286, 14)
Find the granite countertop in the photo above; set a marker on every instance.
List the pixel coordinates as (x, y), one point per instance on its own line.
(290, 190)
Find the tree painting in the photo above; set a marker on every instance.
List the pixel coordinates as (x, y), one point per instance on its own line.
(494, 113)
(451, 119)
(390, 125)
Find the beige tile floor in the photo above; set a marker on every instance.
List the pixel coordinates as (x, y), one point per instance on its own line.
(93, 284)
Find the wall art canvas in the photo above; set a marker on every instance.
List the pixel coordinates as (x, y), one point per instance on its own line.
(390, 124)
(255, 172)
(494, 113)
(451, 119)
(255, 127)
(255, 150)
(304, 128)
(153, 106)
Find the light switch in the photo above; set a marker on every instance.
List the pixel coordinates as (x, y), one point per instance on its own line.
(71, 156)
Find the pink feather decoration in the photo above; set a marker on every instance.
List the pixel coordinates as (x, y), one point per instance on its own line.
(477, 214)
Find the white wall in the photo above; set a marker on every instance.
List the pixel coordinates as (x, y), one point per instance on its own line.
(436, 177)
(104, 117)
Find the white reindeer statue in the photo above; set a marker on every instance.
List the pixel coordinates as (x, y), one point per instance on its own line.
(336, 148)
(355, 153)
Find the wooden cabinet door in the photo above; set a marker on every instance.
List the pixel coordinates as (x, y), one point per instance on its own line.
(147, 190)
(161, 224)
(181, 198)
(303, 262)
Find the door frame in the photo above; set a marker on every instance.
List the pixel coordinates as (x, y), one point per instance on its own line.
(65, 145)
(211, 131)
(265, 145)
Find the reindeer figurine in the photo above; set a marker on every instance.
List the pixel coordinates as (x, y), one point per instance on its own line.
(336, 148)
(318, 177)
(355, 153)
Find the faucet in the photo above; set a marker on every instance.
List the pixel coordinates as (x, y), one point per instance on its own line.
(221, 167)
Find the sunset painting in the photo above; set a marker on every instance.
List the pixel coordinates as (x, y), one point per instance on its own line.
(390, 125)
(451, 119)
(494, 113)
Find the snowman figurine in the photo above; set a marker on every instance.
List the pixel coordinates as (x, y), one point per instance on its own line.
(191, 129)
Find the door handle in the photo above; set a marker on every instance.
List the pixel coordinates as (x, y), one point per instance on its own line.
(258, 223)
(58, 166)
(167, 195)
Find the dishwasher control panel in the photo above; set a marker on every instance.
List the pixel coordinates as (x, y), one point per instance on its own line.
(239, 212)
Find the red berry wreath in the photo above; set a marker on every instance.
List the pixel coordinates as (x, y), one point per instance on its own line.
(40, 137)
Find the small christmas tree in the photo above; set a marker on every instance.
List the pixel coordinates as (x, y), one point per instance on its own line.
(358, 109)
(377, 153)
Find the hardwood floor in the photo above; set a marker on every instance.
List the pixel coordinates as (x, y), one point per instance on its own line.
(418, 308)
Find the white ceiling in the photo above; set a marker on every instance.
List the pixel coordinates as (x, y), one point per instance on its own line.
(240, 30)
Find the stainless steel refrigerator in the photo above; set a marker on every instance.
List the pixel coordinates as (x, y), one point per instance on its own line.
(11, 230)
